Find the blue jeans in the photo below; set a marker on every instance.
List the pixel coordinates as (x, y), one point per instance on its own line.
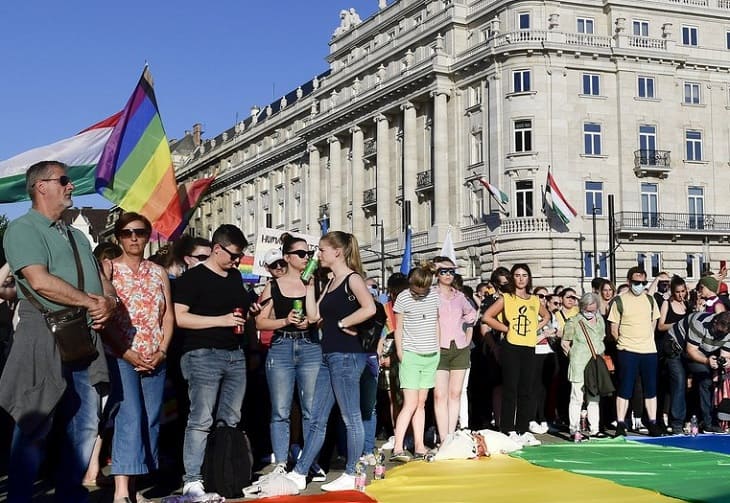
(702, 375)
(289, 361)
(216, 386)
(677, 390)
(338, 379)
(78, 415)
(137, 400)
(368, 399)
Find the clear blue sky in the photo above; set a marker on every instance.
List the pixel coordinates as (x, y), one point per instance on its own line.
(67, 65)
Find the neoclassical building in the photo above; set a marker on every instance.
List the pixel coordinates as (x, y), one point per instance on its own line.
(623, 100)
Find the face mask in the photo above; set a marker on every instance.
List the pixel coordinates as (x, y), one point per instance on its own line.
(663, 287)
(504, 288)
(373, 291)
(589, 315)
(637, 289)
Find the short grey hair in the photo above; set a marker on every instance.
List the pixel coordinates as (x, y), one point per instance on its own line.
(37, 172)
(588, 299)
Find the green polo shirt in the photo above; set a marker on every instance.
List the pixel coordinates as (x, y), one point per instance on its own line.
(33, 239)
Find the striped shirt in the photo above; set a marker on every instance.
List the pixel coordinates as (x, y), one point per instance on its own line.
(420, 318)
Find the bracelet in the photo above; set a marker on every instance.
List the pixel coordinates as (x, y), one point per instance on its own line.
(116, 299)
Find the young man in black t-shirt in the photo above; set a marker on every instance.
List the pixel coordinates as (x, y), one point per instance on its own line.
(213, 362)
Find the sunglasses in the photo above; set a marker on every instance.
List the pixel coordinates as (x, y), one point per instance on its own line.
(444, 272)
(279, 264)
(301, 253)
(540, 295)
(62, 180)
(637, 283)
(201, 258)
(128, 233)
(234, 256)
(572, 297)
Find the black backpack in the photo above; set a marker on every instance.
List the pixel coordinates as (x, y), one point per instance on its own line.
(370, 330)
(228, 462)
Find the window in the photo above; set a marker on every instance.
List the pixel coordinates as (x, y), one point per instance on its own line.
(640, 28)
(523, 136)
(689, 35)
(696, 207)
(650, 262)
(523, 198)
(649, 205)
(588, 270)
(594, 198)
(523, 20)
(521, 81)
(646, 87)
(691, 93)
(475, 96)
(591, 138)
(693, 141)
(476, 148)
(647, 145)
(584, 25)
(695, 265)
(591, 84)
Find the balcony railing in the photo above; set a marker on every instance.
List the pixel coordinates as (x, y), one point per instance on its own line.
(369, 197)
(652, 163)
(424, 181)
(524, 225)
(370, 148)
(673, 223)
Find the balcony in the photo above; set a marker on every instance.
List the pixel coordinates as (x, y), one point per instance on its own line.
(524, 225)
(424, 181)
(652, 163)
(369, 198)
(675, 224)
(370, 148)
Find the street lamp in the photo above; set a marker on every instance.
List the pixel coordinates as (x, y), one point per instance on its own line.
(382, 251)
(596, 266)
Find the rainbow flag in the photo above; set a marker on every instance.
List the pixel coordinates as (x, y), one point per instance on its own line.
(245, 267)
(190, 194)
(135, 170)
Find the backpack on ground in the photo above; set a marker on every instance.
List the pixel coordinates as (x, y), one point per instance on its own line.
(228, 462)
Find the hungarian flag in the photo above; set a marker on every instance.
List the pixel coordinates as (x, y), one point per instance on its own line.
(557, 202)
(500, 196)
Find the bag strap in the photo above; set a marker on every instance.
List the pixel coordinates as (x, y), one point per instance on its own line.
(350, 296)
(79, 272)
(588, 339)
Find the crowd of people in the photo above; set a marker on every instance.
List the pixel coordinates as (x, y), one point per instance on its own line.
(182, 327)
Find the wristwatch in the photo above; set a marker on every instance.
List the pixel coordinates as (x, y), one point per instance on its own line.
(340, 325)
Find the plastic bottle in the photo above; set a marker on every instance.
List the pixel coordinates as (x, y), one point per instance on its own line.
(361, 477)
(309, 269)
(694, 427)
(583, 420)
(379, 471)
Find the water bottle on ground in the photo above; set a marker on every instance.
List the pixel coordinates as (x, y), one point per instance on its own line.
(379, 471)
(694, 427)
(361, 477)
(583, 420)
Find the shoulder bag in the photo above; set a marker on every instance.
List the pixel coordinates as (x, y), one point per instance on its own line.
(596, 377)
(368, 331)
(69, 326)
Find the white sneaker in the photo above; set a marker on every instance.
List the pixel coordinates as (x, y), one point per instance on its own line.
(368, 459)
(317, 473)
(389, 444)
(529, 439)
(299, 480)
(345, 482)
(544, 427)
(535, 428)
(516, 438)
(279, 469)
(194, 489)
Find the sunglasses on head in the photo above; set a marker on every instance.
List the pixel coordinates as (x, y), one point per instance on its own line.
(279, 264)
(234, 256)
(201, 257)
(301, 253)
(444, 272)
(128, 233)
(62, 180)
(637, 283)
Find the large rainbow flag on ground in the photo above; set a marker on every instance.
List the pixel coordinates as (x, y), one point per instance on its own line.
(135, 170)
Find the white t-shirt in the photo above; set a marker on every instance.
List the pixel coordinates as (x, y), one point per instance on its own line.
(420, 318)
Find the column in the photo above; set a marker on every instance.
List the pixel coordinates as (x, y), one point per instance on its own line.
(410, 160)
(383, 183)
(440, 160)
(313, 189)
(359, 224)
(336, 179)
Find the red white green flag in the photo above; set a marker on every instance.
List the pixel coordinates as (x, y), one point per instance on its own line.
(557, 202)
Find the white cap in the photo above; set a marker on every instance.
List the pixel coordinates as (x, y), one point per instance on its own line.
(272, 256)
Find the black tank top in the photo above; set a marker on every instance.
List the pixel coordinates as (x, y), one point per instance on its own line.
(673, 317)
(336, 305)
(283, 306)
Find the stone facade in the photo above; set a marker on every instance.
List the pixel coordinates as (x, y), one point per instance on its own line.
(425, 97)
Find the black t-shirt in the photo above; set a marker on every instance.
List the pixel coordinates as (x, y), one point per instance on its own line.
(208, 294)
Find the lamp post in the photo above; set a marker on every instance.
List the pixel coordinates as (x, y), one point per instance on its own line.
(596, 266)
(382, 251)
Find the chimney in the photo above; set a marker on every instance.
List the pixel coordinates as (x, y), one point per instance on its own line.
(197, 133)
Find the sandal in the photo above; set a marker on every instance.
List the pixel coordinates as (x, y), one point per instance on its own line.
(400, 457)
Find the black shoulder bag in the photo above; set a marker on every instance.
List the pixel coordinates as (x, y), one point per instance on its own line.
(368, 331)
(68, 326)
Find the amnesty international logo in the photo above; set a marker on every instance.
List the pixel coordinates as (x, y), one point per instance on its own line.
(521, 322)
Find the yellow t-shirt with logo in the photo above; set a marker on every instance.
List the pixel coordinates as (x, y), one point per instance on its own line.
(522, 318)
(636, 324)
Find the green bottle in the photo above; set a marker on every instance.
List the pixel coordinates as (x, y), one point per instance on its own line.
(309, 269)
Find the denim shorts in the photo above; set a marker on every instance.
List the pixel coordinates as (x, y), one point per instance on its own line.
(455, 358)
(418, 371)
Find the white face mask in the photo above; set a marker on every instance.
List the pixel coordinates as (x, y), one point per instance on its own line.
(637, 289)
(589, 315)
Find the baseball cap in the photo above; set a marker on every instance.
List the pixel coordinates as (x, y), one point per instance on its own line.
(272, 256)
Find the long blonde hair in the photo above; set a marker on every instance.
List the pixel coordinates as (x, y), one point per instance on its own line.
(350, 249)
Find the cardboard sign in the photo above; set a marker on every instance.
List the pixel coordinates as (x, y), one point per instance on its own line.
(268, 239)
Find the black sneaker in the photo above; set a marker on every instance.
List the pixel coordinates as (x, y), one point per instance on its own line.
(713, 429)
(655, 430)
(620, 430)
